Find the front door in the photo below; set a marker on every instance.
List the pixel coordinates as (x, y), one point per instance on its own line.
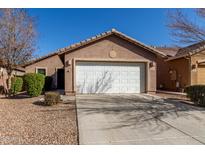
(60, 78)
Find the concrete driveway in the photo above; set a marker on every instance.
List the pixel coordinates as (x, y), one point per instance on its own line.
(138, 119)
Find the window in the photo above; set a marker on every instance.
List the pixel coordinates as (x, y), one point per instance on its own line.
(41, 71)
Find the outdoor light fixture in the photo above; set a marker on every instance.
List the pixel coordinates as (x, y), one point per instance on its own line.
(151, 64)
(193, 66)
(68, 63)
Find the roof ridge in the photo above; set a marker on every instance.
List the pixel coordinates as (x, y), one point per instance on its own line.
(195, 44)
(94, 38)
(139, 42)
(82, 42)
(62, 50)
(189, 50)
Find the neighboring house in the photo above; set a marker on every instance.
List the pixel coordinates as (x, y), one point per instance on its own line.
(182, 67)
(111, 62)
(18, 71)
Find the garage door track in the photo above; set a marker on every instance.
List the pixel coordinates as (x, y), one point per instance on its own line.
(138, 119)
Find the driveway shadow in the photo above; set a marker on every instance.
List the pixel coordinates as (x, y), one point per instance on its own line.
(137, 111)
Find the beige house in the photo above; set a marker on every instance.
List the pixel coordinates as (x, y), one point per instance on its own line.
(181, 67)
(111, 62)
(3, 77)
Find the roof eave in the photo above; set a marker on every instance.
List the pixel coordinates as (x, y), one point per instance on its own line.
(108, 33)
(178, 57)
(95, 38)
(155, 51)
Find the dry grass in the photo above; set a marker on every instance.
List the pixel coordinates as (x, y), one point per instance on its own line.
(23, 122)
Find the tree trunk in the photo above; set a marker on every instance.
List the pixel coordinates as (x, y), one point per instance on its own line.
(8, 90)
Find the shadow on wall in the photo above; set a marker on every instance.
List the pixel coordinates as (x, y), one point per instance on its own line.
(100, 85)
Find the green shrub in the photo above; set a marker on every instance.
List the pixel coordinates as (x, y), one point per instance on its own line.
(24, 84)
(34, 84)
(51, 98)
(196, 93)
(48, 83)
(16, 85)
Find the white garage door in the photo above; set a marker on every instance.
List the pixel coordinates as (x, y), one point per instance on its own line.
(107, 77)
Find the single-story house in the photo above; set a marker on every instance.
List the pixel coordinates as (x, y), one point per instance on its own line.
(110, 62)
(181, 67)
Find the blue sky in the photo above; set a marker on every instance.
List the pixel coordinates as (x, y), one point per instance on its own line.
(59, 28)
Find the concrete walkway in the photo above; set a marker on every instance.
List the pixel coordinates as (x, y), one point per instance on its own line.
(138, 119)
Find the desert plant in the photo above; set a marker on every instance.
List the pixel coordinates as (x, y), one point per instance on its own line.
(196, 93)
(48, 83)
(16, 85)
(51, 98)
(34, 84)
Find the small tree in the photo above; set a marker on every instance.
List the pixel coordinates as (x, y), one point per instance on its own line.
(184, 29)
(17, 38)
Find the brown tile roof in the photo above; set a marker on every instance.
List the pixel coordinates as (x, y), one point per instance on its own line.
(189, 50)
(95, 38)
(18, 68)
(169, 51)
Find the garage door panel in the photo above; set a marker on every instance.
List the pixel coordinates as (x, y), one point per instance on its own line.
(106, 77)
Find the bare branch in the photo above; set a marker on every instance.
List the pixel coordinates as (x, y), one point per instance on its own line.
(201, 12)
(183, 29)
(17, 37)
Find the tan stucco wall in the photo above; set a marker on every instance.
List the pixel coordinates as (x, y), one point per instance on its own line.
(50, 64)
(100, 50)
(182, 68)
(162, 73)
(187, 71)
(194, 71)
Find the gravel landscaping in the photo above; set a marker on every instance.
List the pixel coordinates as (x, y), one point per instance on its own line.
(22, 121)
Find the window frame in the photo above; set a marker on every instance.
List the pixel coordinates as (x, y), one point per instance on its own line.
(37, 68)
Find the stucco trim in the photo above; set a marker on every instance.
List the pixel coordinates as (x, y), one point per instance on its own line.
(174, 58)
(190, 71)
(146, 62)
(110, 60)
(74, 75)
(200, 61)
(147, 80)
